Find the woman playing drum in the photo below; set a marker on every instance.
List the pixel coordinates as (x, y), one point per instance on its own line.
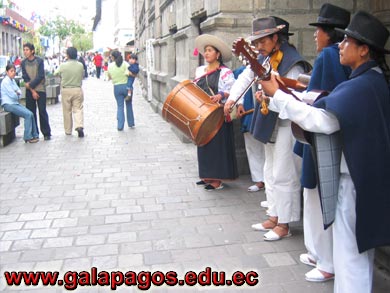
(216, 159)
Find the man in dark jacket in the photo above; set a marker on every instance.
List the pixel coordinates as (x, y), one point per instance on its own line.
(33, 73)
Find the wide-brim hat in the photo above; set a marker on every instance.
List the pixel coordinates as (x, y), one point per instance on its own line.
(285, 30)
(332, 16)
(367, 29)
(263, 27)
(209, 40)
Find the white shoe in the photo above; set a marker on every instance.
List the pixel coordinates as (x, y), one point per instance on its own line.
(316, 276)
(307, 260)
(264, 204)
(259, 227)
(272, 236)
(255, 188)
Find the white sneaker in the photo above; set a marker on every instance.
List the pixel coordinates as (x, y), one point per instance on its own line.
(264, 204)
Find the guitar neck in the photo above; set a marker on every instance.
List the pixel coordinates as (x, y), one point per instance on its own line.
(294, 84)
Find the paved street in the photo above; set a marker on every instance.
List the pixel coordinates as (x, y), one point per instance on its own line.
(127, 201)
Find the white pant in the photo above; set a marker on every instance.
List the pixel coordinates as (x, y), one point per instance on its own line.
(256, 156)
(353, 270)
(318, 242)
(281, 177)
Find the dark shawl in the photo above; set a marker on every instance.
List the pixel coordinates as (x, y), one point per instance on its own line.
(262, 126)
(362, 106)
(327, 74)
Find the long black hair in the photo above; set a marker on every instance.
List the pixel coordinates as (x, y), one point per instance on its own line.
(381, 60)
(117, 58)
(334, 35)
(378, 57)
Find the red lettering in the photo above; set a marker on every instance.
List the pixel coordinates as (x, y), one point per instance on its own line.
(190, 278)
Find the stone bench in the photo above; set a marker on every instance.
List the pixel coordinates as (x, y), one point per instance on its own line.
(52, 93)
(8, 123)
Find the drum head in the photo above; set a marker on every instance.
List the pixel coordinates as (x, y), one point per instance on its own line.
(210, 126)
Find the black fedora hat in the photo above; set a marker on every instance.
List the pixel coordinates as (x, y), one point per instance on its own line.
(281, 21)
(332, 16)
(262, 27)
(369, 30)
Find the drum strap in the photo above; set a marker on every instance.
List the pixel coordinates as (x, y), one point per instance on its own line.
(207, 83)
(204, 75)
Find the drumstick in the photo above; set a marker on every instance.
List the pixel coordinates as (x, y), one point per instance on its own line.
(243, 93)
(247, 112)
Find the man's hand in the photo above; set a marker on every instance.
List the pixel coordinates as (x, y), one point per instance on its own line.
(240, 110)
(35, 94)
(270, 86)
(226, 108)
(263, 100)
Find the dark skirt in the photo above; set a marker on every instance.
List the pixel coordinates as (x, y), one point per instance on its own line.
(217, 159)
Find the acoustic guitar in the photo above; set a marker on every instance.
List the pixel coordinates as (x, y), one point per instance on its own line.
(245, 53)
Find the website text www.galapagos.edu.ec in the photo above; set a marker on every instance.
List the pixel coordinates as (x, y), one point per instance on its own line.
(143, 280)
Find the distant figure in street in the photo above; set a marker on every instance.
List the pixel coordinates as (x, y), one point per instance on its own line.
(133, 71)
(82, 61)
(98, 61)
(105, 73)
(10, 95)
(33, 73)
(117, 71)
(72, 96)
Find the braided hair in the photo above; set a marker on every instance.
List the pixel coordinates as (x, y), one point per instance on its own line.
(381, 60)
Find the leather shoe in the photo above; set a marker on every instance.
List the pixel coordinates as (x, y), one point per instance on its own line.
(80, 131)
(201, 182)
(316, 276)
(47, 137)
(210, 187)
(33, 140)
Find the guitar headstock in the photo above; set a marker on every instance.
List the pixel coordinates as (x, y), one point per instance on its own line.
(243, 50)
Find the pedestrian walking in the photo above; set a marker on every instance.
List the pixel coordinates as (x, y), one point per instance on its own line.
(117, 72)
(72, 95)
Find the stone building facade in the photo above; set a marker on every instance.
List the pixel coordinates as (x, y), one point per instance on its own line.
(13, 26)
(171, 26)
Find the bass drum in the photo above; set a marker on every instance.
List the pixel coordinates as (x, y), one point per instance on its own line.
(190, 109)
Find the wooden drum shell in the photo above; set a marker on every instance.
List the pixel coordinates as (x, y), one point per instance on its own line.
(190, 109)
